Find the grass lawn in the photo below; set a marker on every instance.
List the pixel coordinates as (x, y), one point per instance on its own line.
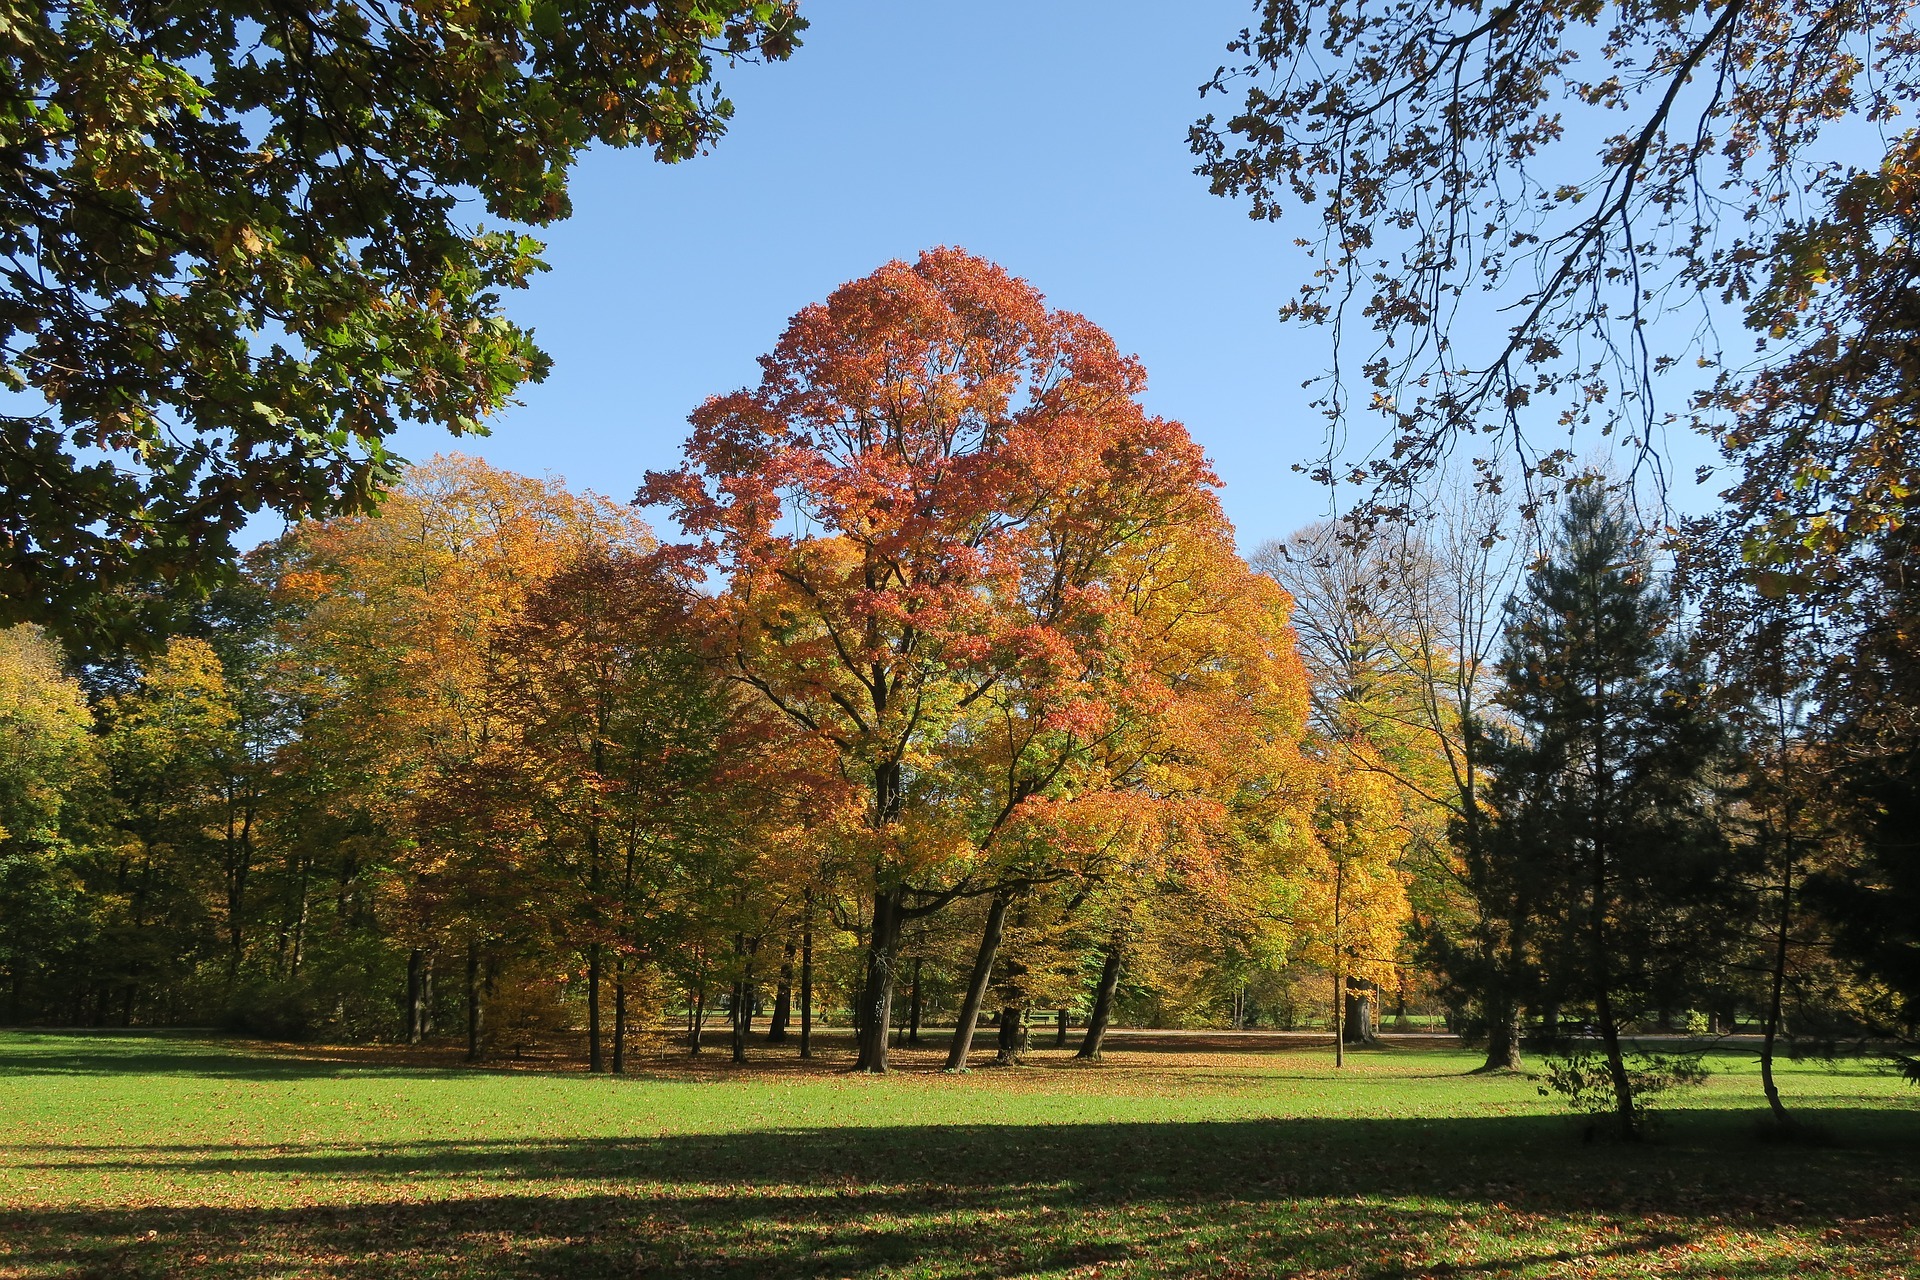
(166, 1155)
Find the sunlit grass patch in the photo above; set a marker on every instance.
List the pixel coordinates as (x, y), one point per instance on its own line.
(171, 1156)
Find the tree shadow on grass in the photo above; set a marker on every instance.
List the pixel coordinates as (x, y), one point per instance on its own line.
(1380, 1199)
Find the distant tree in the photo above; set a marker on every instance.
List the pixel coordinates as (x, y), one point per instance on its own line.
(47, 755)
(234, 260)
(1873, 900)
(1603, 793)
(393, 645)
(169, 747)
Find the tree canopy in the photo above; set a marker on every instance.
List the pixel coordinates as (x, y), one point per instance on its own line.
(235, 253)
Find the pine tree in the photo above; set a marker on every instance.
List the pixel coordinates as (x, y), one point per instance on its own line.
(1602, 805)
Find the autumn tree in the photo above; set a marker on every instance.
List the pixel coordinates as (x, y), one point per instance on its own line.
(46, 756)
(391, 652)
(619, 780)
(915, 513)
(235, 260)
(168, 746)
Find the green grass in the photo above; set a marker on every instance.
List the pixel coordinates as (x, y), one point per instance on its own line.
(150, 1155)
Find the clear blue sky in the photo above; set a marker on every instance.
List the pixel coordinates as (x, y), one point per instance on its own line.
(1048, 135)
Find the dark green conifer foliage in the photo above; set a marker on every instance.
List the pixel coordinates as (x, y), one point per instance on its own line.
(1874, 901)
(1603, 851)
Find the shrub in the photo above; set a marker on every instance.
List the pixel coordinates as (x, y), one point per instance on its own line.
(1580, 1078)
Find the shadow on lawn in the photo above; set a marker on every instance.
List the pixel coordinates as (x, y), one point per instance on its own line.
(1381, 1199)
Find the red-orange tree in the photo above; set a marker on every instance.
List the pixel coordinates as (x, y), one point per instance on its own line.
(918, 512)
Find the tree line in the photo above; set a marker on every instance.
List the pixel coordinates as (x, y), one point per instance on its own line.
(957, 697)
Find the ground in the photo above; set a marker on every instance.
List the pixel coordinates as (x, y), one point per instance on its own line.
(192, 1156)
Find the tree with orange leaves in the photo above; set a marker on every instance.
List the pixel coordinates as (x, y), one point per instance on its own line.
(920, 512)
(393, 648)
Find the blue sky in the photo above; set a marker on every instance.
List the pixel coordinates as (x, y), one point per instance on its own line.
(1048, 135)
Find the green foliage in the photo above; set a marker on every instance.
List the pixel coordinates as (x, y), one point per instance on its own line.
(1583, 1080)
(235, 260)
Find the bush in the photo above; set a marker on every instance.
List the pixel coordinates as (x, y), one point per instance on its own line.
(1580, 1078)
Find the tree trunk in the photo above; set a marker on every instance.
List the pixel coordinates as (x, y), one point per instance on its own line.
(876, 1000)
(1102, 1005)
(782, 999)
(596, 1063)
(1777, 985)
(416, 994)
(913, 1007)
(1060, 1029)
(1603, 1005)
(1360, 1012)
(1339, 1012)
(977, 983)
(1503, 1036)
(743, 1002)
(806, 985)
(1013, 1038)
(619, 1015)
(473, 999)
(699, 1016)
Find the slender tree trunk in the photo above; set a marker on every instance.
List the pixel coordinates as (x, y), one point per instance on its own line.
(1603, 1007)
(737, 1034)
(977, 983)
(416, 994)
(619, 1014)
(806, 983)
(876, 1002)
(743, 1002)
(699, 1015)
(913, 1007)
(1339, 968)
(473, 999)
(1339, 1010)
(596, 1062)
(1777, 986)
(1060, 1029)
(1102, 1004)
(782, 999)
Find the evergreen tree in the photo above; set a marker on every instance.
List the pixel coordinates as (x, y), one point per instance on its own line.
(1603, 853)
(1873, 901)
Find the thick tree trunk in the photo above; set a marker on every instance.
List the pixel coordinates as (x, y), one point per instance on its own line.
(1102, 1005)
(806, 986)
(473, 1000)
(596, 1061)
(1503, 1036)
(416, 1017)
(977, 983)
(1361, 1011)
(876, 1000)
(1013, 1038)
(782, 1000)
